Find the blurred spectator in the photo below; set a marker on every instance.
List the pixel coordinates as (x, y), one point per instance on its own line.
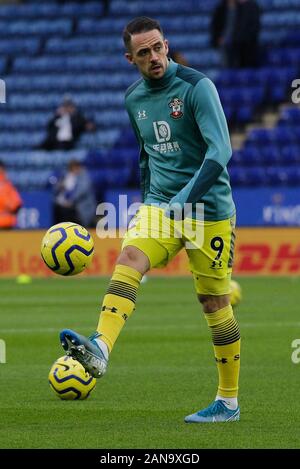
(235, 30)
(65, 127)
(10, 201)
(178, 57)
(74, 196)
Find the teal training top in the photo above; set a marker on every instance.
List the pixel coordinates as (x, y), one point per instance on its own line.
(184, 141)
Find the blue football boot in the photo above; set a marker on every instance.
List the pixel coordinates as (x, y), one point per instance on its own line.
(215, 412)
(85, 350)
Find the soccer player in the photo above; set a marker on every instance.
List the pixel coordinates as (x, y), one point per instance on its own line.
(184, 149)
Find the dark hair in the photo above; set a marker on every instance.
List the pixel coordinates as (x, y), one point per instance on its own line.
(2, 165)
(141, 24)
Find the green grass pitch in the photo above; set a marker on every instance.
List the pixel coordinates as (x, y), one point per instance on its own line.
(161, 369)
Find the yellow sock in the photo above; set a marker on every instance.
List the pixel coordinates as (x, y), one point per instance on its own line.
(118, 303)
(226, 340)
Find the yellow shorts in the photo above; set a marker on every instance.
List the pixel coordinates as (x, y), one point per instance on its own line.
(208, 244)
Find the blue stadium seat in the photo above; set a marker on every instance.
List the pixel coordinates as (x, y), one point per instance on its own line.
(66, 83)
(29, 10)
(284, 19)
(80, 63)
(284, 56)
(236, 158)
(21, 101)
(245, 114)
(86, 45)
(188, 41)
(101, 139)
(80, 9)
(14, 47)
(42, 64)
(251, 156)
(196, 23)
(237, 176)
(24, 120)
(286, 176)
(226, 77)
(116, 177)
(290, 39)
(259, 136)
(19, 139)
(138, 7)
(111, 118)
(278, 93)
(290, 154)
(277, 176)
(283, 135)
(122, 157)
(236, 96)
(272, 37)
(271, 155)
(38, 159)
(245, 77)
(290, 115)
(293, 176)
(229, 112)
(51, 10)
(2, 65)
(61, 27)
(105, 26)
(256, 176)
(49, 101)
(202, 60)
(278, 4)
(30, 180)
(52, 48)
(127, 140)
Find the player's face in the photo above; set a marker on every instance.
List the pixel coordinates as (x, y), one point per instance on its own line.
(148, 52)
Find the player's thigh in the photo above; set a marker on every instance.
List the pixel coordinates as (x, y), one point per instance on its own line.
(153, 233)
(211, 264)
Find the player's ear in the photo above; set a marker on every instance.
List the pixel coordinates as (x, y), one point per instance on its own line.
(166, 43)
(129, 58)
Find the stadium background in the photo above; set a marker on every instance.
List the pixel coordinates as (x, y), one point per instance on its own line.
(48, 49)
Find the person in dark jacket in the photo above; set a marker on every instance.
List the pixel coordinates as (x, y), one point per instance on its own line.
(65, 127)
(235, 28)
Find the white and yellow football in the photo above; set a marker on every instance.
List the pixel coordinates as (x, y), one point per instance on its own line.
(69, 380)
(67, 248)
(235, 293)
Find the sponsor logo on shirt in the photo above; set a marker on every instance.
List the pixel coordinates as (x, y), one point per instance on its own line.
(162, 132)
(177, 106)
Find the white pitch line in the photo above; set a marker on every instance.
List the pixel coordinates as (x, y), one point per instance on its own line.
(138, 328)
(27, 331)
(41, 301)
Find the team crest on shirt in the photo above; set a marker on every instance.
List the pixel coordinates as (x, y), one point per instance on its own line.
(177, 107)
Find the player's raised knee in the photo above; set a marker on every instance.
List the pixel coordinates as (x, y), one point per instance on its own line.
(135, 258)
